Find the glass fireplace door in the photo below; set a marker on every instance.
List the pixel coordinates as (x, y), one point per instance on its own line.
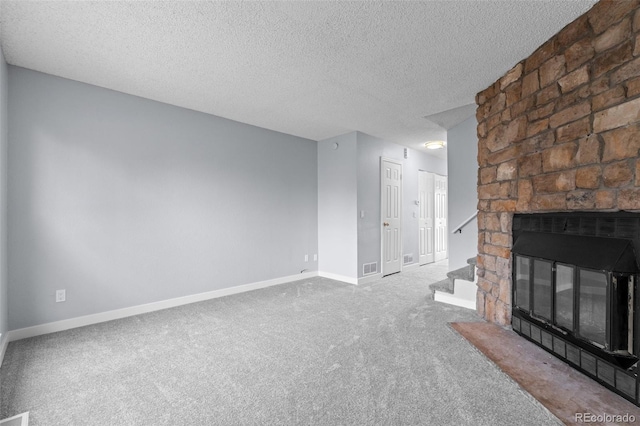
(564, 296)
(592, 314)
(542, 291)
(522, 282)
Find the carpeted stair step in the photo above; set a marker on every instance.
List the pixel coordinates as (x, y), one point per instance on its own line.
(444, 285)
(466, 273)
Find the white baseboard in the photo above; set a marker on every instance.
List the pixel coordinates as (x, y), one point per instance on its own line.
(24, 420)
(53, 327)
(338, 277)
(4, 342)
(369, 278)
(444, 297)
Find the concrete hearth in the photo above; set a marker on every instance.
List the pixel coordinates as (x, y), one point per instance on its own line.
(562, 390)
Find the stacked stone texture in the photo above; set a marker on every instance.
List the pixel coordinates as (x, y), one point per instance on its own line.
(559, 132)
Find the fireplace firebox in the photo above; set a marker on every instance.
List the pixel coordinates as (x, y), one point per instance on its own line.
(575, 292)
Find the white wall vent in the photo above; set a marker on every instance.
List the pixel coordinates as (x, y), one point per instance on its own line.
(370, 268)
(408, 258)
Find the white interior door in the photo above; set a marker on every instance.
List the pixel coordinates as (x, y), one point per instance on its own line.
(391, 178)
(440, 216)
(425, 220)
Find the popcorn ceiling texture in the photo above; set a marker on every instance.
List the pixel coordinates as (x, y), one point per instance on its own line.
(310, 69)
(559, 132)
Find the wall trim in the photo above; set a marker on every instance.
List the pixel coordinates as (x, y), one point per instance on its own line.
(338, 277)
(4, 342)
(52, 327)
(24, 419)
(82, 321)
(369, 278)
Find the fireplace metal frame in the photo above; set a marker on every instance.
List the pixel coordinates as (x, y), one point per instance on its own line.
(614, 371)
(621, 381)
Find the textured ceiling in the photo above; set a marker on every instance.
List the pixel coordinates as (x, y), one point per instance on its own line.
(311, 69)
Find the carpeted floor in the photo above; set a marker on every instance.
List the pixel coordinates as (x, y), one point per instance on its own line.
(313, 352)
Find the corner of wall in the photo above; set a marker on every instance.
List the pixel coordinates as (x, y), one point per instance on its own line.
(462, 146)
(337, 206)
(4, 135)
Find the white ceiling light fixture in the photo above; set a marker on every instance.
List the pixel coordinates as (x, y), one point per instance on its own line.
(435, 144)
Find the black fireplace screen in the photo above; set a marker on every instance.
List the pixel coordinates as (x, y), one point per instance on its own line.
(552, 299)
(591, 302)
(542, 288)
(593, 307)
(574, 292)
(564, 295)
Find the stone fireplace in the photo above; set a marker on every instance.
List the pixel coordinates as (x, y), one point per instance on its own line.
(559, 139)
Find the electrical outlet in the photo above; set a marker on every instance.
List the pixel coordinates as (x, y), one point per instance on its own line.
(306, 257)
(61, 296)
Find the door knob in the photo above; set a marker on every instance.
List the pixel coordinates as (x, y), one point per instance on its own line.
(385, 224)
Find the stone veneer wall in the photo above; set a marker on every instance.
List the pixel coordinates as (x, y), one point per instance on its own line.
(559, 132)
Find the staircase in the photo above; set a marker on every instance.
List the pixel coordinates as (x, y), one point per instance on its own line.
(459, 288)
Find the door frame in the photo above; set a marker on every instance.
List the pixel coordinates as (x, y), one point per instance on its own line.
(381, 186)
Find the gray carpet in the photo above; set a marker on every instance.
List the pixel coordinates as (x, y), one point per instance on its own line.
(313, 352)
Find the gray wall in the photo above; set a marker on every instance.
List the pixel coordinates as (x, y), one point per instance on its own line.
(370, 149)
(337, 206)
(4, 306)
(462, 147)
(124, 201)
